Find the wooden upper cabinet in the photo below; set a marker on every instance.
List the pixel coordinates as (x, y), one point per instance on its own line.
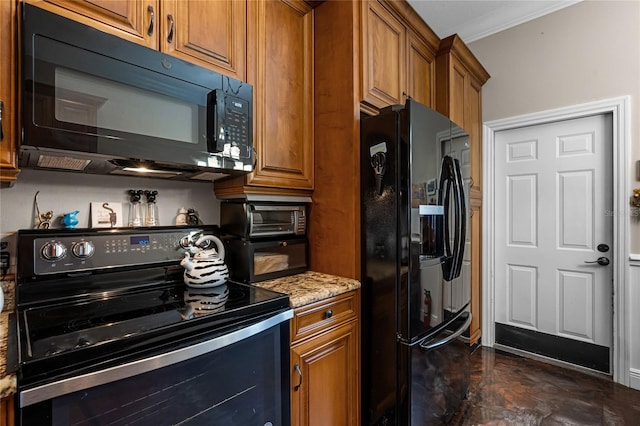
(280, 68)
(8, 100)
(420, 70)
(134, 20)
(209, 33)
(383, 56)
(459, 81)
(398, 56)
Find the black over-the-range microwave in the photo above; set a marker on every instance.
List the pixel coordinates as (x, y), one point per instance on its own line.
(95, 103)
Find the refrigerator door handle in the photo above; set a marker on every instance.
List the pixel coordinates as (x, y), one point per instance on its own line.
(427, 346)
(461, 218)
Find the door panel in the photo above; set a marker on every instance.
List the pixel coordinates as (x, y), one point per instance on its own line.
(553, 207)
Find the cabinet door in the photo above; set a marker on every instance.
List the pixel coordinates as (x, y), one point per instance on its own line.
(280, 68)
(134, 20)
(476, 269)
(328, 379)
(210, 33)
(7, 416)
(8, 100)
(474, 128)
(383, 56)
(420, 70)
(459, 78)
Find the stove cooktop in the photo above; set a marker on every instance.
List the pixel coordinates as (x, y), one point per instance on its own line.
(72, 334)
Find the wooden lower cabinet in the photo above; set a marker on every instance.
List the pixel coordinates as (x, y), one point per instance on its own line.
(7, 417)
(325, 365)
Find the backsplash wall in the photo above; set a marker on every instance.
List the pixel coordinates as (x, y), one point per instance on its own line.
(66, 192)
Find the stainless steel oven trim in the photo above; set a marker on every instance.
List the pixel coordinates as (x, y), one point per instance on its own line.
(120, 372)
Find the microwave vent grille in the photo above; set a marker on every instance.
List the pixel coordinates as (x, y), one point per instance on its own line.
(209, 176)
(63, 163)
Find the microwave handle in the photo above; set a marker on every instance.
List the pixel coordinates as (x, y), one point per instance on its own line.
(215, 121)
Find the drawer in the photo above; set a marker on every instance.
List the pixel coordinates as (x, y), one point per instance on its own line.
(320, 316)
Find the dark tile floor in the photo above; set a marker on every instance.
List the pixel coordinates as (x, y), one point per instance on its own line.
(508, 389)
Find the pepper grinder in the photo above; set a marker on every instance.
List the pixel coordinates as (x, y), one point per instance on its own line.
(151, 217)
(135, 208)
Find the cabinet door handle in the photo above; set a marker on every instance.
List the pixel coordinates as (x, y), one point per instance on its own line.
(171, 26)
(152, 21)
(329, 313)
(297, 367)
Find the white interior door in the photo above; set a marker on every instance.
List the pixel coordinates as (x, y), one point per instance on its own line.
(553, 212)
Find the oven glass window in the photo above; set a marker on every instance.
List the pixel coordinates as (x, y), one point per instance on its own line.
(238, 385)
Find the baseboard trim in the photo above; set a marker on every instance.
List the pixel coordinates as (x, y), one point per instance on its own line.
(554, 361)
(634, 378)
(585, 354)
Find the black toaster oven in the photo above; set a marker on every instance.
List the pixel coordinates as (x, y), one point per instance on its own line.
(264, 240)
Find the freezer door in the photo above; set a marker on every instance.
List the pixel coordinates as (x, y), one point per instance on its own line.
(438, 375)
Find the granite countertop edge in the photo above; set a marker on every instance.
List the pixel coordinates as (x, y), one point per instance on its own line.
(8, 384)
(309, 287)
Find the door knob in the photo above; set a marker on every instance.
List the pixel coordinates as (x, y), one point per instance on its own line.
(601, 261)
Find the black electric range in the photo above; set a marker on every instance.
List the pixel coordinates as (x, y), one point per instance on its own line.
(92, 299)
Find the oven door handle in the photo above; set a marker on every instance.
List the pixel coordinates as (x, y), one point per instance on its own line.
(73, 384)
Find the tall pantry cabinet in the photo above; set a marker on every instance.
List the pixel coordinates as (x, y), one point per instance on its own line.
(459, 81)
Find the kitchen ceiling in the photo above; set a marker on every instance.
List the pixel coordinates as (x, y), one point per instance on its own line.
(475, 19)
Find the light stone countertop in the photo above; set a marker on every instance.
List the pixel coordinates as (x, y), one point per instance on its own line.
(310, 287)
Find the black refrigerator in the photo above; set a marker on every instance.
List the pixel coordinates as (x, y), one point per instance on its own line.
(415, 269)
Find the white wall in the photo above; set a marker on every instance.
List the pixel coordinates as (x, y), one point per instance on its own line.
(65, 192)
(585, 52)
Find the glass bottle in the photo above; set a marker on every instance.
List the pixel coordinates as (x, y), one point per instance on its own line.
(151, 216)
(135, 208)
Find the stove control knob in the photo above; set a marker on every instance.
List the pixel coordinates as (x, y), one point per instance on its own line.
(83, 249)
(185, 242)
(53, 251)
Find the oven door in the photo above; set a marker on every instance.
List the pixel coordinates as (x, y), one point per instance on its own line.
(240, 378)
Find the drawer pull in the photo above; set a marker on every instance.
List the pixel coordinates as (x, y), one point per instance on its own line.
(297, 367)
(329, 313)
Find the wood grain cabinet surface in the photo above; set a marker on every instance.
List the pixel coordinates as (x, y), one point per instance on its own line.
(209, 33)
(325, 360)
(459, 82)
(7, 413)
(280, 68)
(398, 56)
(8, 99)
